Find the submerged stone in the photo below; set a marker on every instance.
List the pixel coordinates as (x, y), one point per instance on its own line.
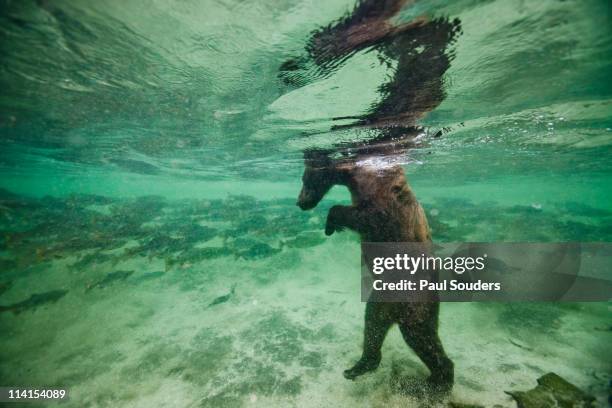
(553, 392)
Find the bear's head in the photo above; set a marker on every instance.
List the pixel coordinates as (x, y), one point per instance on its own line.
(321, 173)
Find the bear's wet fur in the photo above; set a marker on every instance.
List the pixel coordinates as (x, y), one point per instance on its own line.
(384, 209)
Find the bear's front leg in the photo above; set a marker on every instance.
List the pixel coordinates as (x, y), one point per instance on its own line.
(340, 217)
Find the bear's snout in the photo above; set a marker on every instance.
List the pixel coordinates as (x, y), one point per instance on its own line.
(304, 205)
(305, 202)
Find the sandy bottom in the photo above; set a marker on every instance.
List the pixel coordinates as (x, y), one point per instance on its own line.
(164, 336)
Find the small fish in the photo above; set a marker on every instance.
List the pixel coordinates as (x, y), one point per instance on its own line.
(148, 276)
(224, 298)
(108, 279)
(520, 344)
(259, 251)
(87, 260)
(34, 301)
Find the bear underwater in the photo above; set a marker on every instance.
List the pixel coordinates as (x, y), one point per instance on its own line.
(384, 209)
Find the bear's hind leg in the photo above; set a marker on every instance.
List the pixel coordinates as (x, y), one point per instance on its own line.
(377, 323)
(422, 337)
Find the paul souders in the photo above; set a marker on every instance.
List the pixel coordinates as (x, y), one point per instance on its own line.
(425, 285)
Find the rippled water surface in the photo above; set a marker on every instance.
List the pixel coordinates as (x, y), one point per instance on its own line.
(151, 157)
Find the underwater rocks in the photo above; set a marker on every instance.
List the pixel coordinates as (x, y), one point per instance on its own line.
(34, 301)
(553, 392)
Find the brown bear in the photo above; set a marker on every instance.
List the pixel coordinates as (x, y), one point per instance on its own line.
(384, 209)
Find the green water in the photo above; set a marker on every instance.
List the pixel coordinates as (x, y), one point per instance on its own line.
(151, 159)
